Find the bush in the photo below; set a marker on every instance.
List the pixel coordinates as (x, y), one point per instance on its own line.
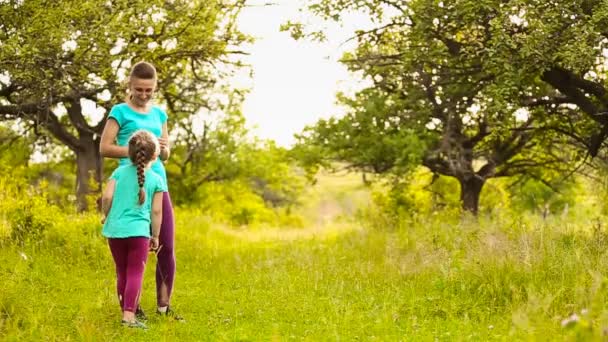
(26, 211)
(237, 204)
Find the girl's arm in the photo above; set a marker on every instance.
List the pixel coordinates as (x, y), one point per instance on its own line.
(106, 199)
(165, 151)
(157, 217)
(107, 145)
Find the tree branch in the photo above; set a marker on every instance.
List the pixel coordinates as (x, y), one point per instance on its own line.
(566, 82)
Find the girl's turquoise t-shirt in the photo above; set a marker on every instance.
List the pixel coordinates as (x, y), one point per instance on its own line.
(127, 218)
(130, 121)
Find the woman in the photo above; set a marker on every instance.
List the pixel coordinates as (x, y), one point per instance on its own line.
(137, 112)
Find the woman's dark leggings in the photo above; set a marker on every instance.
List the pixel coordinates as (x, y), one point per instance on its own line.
(130, 255)
(165, 265)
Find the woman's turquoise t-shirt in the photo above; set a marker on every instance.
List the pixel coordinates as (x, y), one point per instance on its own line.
(127, 218)
(130, 121)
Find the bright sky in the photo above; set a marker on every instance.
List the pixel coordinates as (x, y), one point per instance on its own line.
(294, 82)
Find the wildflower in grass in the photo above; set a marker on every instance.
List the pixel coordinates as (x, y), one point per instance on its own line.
(570, 321)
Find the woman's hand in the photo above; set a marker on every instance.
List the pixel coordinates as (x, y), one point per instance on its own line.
(163, 143)
(164, 148)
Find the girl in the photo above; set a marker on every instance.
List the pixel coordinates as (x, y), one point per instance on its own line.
(131, 202)
(135, 113)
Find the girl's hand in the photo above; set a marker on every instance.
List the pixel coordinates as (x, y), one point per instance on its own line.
(154, 244)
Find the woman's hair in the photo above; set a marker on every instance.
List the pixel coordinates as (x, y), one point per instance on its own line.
(141, 70)
(143, 148)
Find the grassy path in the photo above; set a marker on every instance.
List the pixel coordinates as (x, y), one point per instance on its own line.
(506, 279)
(352, 284)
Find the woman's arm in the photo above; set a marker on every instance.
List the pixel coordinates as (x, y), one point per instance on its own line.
(165, 150)
(107, 146)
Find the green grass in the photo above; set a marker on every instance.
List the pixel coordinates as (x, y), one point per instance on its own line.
(428, 279)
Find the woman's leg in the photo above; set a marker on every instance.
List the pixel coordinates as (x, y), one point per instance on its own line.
(136, 264)
(118, 248)
(165, 266)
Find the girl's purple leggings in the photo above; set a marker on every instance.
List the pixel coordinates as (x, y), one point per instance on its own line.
(130, 255)
(165, 265)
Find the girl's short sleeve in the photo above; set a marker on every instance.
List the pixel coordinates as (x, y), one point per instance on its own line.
(160, 185)
(115, 175)
(117, 114)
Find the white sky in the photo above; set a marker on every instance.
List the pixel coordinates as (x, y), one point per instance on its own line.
(294, 82)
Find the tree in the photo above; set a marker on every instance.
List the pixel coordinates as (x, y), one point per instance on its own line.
(437, 76)
(223, 152)
(55, 57)
(207, 154)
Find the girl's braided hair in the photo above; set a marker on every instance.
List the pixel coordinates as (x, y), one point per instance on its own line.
(143, 148)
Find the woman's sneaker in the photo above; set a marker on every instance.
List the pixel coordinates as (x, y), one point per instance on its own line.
(140, 314)
(134, 324)
(171, 314)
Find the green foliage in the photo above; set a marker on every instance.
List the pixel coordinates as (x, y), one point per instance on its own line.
(15, 151)
(234, 178)
(178, 37)
(26, 211)
(235, 203)
(445, 72)
(76, 52)
(28, 220)
(421, 194)
(271, 174)
(535, 195)
(370, 139)
(208, 155)
(54, 177)
(425, 194)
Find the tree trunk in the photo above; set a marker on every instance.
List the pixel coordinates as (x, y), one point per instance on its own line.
(470, 190)
(89, 169)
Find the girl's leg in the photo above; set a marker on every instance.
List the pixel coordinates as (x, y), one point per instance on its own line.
(136, 263)
(118, 248)
(165, 266)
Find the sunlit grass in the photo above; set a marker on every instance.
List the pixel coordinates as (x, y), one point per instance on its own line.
(431, 278)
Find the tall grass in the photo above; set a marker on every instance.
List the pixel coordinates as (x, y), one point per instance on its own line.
(439, 277)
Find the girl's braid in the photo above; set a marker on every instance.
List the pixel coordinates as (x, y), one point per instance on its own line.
(141, 177)
(143, 147)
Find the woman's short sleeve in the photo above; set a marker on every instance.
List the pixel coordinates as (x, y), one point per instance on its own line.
(117, 114)
(162, 115)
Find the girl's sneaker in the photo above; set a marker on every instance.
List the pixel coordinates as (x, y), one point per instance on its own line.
(134, 324)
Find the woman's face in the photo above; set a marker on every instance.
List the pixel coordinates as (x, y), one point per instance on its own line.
(142, 90)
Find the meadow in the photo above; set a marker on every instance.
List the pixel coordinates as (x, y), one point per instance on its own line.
(348, 274)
